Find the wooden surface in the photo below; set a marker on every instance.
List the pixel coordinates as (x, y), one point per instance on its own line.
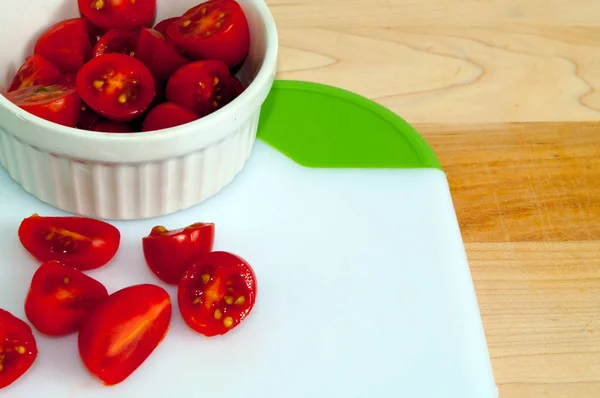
(507, 93)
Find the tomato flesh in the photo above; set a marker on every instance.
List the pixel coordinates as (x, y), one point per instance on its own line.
(87, 118)
(123, 331)
(18, 349)
(60, 298)
(163, 25)
(216, 30)
(36, 71)
(57, 103)
(118, 14)
(158, 55)
(169, 253)
(216, 293)
(116, 86)
(119, 41)
(66, 45)
(78, 242)
(168, 115)
(237, 88)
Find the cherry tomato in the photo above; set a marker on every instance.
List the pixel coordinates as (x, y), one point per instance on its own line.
(123, 331)
(18, 349)
(118, 14)
(36, 71)
(164, 24)
(158, 55)
(119, 41)
(170, 253)
(168, 115)
(112, 127)
(217, 29)
(87, 118)
(59, 104)
(237, 87)
(60, 298)
(117, 86)
(66, 44)
(69, 80)
(202, 86)
(78, 242)
(216, 293)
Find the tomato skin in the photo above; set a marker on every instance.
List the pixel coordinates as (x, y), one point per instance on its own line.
(169, 253)
(87, 118)
(119, 41)
(163, 25)
(57, 103)
(237, 88)
(159, 56)
(167, 115)
(112, 127)
(60, 298)
(108, 15)
(66, 44)
(78, 242)
(18, 348)
(217, 29)
(36, 71)
(123, 331)
(118, 75)
(216, 293)
(202, 86)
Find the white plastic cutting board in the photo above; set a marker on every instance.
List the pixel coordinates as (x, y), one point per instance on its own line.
(364, 291)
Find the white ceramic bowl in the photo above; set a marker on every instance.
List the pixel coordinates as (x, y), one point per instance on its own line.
(129, 176)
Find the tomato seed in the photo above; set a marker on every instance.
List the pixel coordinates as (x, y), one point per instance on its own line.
(20, 349)
(98, 84)
(186, 23)
(197, 300)
(66, 281)
(122, 98)
(228, 322)
(205, 278)
(218, 315)
(216, 81)
(240, 300)
(99, 4)
(228, 300)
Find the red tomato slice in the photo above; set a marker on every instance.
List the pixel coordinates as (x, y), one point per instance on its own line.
(123, 331)
(87, 118)
(158, 55)
(36, 71)
(170, 253)
(112, 127)
(216, 293)
(119, 41)
(57, 103)
(202, 86)
(163, 25)
(118, 14)
(66, 44)
(217, 29)
(60, 298)
(168, 115)
(117, 86)
(78, 242)
(18, 349)
(237, 87)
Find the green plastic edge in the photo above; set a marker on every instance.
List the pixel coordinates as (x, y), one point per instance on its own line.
(285, 127)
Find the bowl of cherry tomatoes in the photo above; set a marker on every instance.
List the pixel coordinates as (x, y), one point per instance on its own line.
(122, 109)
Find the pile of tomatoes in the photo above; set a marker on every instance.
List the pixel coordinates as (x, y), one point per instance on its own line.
(109, 71)
(119, 331)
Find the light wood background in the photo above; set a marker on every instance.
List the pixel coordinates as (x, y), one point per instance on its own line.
(508, 94)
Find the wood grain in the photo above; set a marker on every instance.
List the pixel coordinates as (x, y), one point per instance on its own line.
(507, 92)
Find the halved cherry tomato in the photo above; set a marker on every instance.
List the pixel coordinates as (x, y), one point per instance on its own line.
(118, 14)
(158, 55)
(66, 44)
(119, 41)
(87, 118)
(18, 349)
(123, 331)
(112, 127)
(69, 80)
(163, 25)
(59, 104)
(78, 242)
(168, 115)
(117, 86)
(237, 87)
(217, 29)
(36, 71)
(170, 253)
(216, 293)
(202, 86)
(60, 298)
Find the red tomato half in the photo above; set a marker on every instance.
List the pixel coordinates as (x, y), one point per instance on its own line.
(36, 71)
(216, 293)
(18, 349)
(170, 253)
(66, 44)
(159, 56)
(217, 29)
(118, 14)
(60, 298)
(57, 103)
(168, 115)
(117, 86)
(202, 86)
(119, 41)
(123, 331)
(163, 25)
(78, 242)
(112, 127)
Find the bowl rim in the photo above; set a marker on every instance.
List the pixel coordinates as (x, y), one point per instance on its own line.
(251, 94)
